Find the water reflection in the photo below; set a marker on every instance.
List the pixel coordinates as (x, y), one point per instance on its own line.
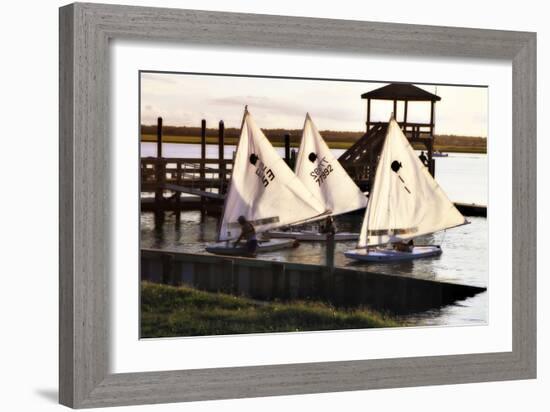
(464, 259)
(466, 312)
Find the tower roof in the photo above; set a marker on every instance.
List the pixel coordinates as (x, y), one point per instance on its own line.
(401, 91)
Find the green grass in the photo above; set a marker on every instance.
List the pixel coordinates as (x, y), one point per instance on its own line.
(168, 311)
(209, 140)
(341, 144)
(453, 149)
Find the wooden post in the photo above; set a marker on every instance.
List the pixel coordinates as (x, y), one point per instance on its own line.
(368, 115)
(287, 149)
(203, 139)
(202, 166)
(221, 173)
(159, 174)
(178, 195)
(159, 137)
(432, 161)
(395, 109)
(328, 272)
(405, 114)
(432, 116)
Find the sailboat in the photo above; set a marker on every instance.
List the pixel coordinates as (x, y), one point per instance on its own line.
(405, 202)
(265, 191)
(323, 175)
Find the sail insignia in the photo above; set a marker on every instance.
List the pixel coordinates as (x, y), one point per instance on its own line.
(324, 176)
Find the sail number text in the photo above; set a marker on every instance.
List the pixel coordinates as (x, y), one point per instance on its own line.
(320, 173)
(265, 174)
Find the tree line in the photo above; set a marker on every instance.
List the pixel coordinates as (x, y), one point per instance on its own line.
(278, 135)
(272, 134)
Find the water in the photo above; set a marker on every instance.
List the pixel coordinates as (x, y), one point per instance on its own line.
(463, 176)
(464, 259)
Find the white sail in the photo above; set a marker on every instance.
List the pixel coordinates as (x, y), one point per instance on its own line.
(405, 201)
(324, 176)
(263, 188)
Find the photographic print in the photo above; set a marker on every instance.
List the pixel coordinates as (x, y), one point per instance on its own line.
(271, 204)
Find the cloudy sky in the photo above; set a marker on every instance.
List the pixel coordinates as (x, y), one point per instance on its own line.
(183, 100)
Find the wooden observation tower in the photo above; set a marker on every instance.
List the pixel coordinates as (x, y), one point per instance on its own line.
(361, 159)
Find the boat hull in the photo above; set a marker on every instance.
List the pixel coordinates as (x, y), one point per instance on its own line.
(389, 255)
(312, 236)
(264, 246)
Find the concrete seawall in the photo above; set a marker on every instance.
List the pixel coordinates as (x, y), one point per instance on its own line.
(269, 280)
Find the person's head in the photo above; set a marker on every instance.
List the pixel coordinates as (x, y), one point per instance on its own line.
(241, 220)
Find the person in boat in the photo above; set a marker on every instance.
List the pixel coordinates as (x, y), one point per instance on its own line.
(404, 247)
(328, 228)
(249, 234)
(423, 158)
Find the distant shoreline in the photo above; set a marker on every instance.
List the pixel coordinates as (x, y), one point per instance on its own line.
(342, 144)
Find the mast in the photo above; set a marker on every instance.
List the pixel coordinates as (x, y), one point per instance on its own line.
(406, 201)
(263, 188)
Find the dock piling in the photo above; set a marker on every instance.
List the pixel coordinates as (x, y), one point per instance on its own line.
(287, 149)
(178, 196)
(221, 173)
(159, 175)
(202, 166)
(292, 158)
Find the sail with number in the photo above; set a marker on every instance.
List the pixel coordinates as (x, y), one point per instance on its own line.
(324, 176)
(405, 201)
(263, 188)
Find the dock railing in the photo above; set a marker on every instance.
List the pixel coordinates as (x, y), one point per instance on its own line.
(206, 177)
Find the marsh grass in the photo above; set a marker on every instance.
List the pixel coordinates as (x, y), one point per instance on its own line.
(454, 144)
(168, 311)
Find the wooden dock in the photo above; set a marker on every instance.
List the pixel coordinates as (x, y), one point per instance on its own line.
(471, 209)
(179, 184)
(200, 177)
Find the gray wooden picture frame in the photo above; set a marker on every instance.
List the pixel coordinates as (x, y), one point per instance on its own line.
(85, 32)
